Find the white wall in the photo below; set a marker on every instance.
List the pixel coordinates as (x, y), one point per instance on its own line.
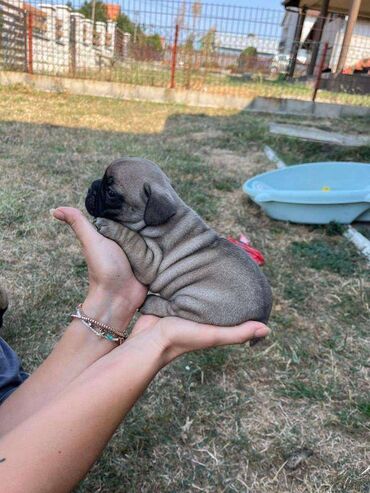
(287, 35)
(52, 49)
(359, 47)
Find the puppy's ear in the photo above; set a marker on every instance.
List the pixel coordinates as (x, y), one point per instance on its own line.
(159, 207)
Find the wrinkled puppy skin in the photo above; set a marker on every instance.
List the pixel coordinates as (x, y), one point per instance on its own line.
(190, 270)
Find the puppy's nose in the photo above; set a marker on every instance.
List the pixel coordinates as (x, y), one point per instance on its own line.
(95, 185)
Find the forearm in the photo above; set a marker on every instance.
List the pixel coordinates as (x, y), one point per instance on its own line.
(77, 349)
(62, 440)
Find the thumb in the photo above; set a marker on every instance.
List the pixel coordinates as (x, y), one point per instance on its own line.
(82, 228)
(221, 336)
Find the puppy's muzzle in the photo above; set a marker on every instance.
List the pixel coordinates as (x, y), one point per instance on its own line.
(92, 201)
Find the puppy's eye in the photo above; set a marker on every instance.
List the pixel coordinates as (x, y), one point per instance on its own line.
(111, 193)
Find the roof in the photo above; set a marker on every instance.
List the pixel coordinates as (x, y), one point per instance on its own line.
(113, 11)
(34, 11)
(337, 6)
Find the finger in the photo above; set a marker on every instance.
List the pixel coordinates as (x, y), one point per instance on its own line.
(82, 228)
(221, 336)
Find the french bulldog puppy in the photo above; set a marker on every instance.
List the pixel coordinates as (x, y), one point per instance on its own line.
(190, 270)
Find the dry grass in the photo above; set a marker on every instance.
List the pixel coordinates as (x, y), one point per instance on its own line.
(225, 420)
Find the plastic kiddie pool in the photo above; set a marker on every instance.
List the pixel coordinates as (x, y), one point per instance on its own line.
(315, 193)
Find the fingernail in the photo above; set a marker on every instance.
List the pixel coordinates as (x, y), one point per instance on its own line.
(262, 332)
(58, 214)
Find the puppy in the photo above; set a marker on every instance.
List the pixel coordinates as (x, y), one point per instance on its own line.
(190, 270)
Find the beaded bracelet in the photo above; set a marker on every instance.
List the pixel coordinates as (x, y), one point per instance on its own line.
(100, 329)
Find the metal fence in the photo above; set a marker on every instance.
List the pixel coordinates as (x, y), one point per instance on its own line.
(189, 45)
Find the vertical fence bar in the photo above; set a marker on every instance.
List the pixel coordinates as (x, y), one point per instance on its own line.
(30, 42)
(174, 55)
(321, 66)
(25, 35)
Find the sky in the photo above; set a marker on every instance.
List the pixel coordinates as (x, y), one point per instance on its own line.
(259, 17)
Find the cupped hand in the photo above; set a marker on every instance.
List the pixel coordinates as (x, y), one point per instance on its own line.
(110, 274)
(175, 336)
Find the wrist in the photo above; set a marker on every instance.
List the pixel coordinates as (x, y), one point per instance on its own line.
(109, 309)
(157, 340)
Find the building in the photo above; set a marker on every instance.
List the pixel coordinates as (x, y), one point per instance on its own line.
(343, 26)
(234, 44)
(333, 33)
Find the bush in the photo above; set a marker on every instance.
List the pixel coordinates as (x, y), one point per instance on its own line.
(247, 59)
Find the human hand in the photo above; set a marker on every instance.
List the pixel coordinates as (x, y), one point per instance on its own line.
(114, 292)
(174, 336)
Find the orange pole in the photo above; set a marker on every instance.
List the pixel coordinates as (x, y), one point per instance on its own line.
(174, 55)
(321, 67)
(30, 36)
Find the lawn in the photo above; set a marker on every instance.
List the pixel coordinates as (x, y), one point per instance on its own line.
(228, 419)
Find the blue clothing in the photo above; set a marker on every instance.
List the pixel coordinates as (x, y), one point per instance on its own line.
(12, 374)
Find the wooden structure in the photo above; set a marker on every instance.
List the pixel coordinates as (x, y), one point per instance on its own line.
(354, 9)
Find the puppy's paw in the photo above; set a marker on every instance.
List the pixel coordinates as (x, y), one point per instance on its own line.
(108, 228)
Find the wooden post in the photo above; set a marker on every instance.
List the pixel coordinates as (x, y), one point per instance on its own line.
(174, 55)
(321, 66)
(317, 36)
(352, 18)
(296, 42)
(29, 42)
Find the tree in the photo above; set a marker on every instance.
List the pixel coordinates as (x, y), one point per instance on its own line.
(247, 59)
(100, 10)
(154, 41)
(140, 39)
(127, 26)
(208, 45)
(208, 41)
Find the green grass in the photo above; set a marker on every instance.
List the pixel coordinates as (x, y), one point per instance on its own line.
(248, 409)
(322, 255)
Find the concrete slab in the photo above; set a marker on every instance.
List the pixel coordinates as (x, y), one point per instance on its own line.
(317, 135)
(268, 105)
(327, 110)
(354, 110)
(299, 107)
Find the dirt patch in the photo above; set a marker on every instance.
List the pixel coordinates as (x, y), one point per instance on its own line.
(200, 137)
(225, 159)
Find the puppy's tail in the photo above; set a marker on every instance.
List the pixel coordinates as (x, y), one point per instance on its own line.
(3, 304)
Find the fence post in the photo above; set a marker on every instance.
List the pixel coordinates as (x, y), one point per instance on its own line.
(321, 66)
(29, 43)
(174, 55)
(72, 45)
(25, 35)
